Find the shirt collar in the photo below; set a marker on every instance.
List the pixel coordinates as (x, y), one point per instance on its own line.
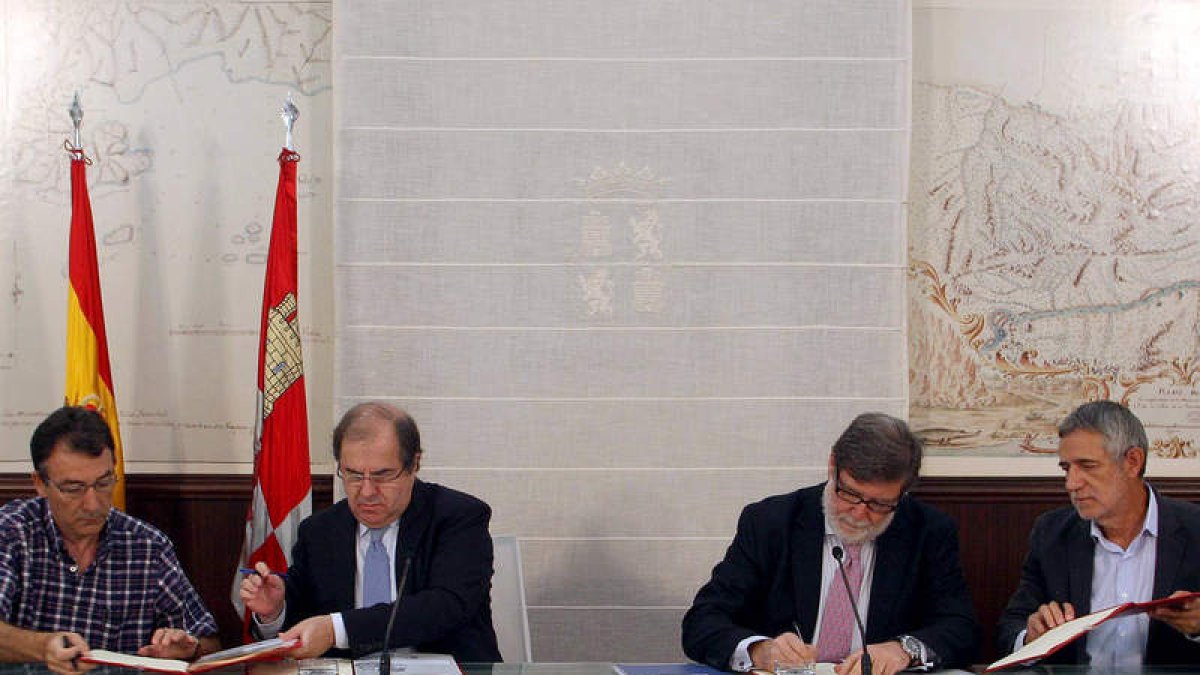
(364, 532)
(1149, 525)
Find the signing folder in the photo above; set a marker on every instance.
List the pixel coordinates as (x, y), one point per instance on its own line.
(1060, 636)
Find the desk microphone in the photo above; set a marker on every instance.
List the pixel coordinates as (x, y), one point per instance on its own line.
(385, 657)
(862, 632)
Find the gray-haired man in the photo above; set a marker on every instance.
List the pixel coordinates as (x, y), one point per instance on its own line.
(1118, 542)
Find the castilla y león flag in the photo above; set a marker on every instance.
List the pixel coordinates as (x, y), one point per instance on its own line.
(89, 378)
(282, 478)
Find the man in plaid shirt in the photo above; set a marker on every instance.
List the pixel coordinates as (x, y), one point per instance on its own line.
(77, 574)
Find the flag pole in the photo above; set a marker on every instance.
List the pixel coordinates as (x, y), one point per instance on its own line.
(290, 113)
(76, 112)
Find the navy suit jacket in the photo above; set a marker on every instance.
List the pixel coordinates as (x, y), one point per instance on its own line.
(1059, 567)
(771, 576)
(446, 606)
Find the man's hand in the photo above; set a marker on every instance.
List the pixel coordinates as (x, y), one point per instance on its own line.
(315, 634)
(786, 648)
(62, 653)
(887, 658)
(1184, 617)
(1049, 615)
(171, 643)
(263, 593)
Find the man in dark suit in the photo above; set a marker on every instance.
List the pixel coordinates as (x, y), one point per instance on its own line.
(778, 590)
(1118, 542)
(348, 559)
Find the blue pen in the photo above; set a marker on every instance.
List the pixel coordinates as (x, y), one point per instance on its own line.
(251, 570)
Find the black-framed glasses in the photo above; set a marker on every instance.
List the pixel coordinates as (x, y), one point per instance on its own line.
(852, 497)
(378, 477)
(75, 489)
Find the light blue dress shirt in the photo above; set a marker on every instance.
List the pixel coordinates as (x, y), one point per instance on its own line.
(341, 639)
(1121, 575)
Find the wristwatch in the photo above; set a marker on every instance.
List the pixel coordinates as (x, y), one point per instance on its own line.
(914, 648)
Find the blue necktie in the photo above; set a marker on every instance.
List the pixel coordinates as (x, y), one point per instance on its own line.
(377, 576)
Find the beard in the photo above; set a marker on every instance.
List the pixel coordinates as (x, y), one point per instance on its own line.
(851, 530)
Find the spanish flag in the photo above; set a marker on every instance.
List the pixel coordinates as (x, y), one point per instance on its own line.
(89, 377)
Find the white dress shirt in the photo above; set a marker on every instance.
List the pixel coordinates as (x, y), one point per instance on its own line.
(740, 661)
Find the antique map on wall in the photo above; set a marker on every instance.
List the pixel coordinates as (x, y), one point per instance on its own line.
(1055, 231)
(181, 123)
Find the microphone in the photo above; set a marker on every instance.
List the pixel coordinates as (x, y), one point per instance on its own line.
(385, 657)
(862, 632)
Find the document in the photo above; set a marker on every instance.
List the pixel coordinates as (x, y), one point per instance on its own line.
(1060, 636)
(406, 662)
(665, 669)
(321, 666)
(257, 651)
(820, 668)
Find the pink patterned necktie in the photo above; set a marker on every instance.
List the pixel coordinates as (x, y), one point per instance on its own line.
(837, 623)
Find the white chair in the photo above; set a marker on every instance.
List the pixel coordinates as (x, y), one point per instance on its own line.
(509, 616)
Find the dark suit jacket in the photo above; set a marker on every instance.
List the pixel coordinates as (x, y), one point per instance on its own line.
(446, 606)
(1059, 567)
(771, 576)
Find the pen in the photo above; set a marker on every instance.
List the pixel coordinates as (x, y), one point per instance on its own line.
(74, 661)
(251, 570)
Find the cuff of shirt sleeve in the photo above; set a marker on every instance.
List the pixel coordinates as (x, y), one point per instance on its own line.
(269, 629)
(740, 661)
(1019, 643)
(340, 640)
(926, 659)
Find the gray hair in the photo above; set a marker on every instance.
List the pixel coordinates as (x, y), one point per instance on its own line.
(878, 447)
(1121, 429)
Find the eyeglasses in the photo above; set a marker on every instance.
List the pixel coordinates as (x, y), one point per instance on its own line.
(851, 497)
(75, 489)
(380, 477)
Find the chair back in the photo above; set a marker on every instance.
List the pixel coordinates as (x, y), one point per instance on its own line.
(509, 616)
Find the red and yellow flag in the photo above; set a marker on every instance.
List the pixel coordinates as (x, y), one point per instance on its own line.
(89, 377)
(282, 474)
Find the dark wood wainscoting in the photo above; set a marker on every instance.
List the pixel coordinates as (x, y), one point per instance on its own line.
(205, 517)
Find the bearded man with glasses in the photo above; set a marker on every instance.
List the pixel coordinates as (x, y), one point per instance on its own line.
(778, 597)
(347, 561)
(77, 574)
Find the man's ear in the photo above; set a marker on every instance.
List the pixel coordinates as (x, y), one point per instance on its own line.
(831, 465)
(1133, 462)
(416, 466)
(38, 484)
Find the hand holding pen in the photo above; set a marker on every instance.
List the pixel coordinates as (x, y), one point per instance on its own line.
(63, 651)
(262, 592)
(785, 648)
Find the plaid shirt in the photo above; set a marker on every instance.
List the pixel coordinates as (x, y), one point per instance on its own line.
(134, 586)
